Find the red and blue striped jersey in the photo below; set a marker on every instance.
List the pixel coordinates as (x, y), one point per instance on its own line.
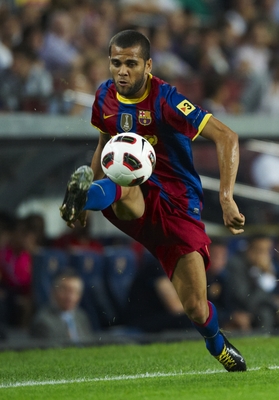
(169, 121)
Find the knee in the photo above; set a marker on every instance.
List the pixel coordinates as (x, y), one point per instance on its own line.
(197, 310)
(131, 205)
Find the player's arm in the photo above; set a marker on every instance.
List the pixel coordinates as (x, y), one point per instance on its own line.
(227, 147)
(96, 159)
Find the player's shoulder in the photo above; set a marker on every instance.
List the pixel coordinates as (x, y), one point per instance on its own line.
(164, 89)
(160, 83)
(104, 89)
(105, 86)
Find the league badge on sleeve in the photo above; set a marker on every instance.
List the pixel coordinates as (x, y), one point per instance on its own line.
(186, 107)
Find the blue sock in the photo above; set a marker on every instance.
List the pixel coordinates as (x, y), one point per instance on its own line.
(102, 194)
(211, 332)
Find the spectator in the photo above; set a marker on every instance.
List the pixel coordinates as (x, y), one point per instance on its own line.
(16, 270)
(7, 20)
(269, 104)
(252, 61)
(253, 284)
(63, 33)
(184, 34)
(93, 69)
(264, 171)
(95, 24)
(7, 223)
(63, 319)
(36, 224)
(216, 94)
(58, 50)
(229, 41)
(6, 58)
(264, 174)
(269, 9)
(26, 86)
(275, 257)
(32, 13)
(218, 282)
(79, 238)
(254, 55)
(146, 12)
(153, 303)
(167, 65)
(33, 37)
(206, 10)
(6, 226)
(11, 30)
(241, 14)
(212, 58)
(84, 80)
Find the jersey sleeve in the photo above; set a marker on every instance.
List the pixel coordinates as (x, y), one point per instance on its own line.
(184, 116)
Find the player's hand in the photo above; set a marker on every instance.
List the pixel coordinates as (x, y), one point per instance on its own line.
(82, 218)
(233, 219)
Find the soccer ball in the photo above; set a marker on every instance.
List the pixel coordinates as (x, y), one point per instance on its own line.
(128, 159)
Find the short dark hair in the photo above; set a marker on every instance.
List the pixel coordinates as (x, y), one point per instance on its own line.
(130, 38)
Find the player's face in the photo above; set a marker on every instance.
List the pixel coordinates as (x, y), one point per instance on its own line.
(129, 71)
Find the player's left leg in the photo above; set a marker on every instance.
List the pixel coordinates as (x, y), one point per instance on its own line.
(189, 280)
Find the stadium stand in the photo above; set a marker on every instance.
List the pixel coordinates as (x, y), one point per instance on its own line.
(95, 300)
(107, 278)
(119, 271)
(47, 263)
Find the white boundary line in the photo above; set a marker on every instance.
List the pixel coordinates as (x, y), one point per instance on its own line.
(119, 378)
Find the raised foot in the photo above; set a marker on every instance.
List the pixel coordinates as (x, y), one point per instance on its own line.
(76, 193)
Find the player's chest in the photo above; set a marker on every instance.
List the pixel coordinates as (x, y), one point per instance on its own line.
(138, 118)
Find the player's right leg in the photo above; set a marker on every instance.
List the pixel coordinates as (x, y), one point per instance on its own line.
(84, 194)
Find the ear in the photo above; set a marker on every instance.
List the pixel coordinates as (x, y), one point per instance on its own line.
(148, 66)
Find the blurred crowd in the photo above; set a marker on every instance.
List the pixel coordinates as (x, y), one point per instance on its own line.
(59, 304)
(221, 54)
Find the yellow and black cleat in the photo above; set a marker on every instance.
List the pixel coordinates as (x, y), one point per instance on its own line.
(231, 358)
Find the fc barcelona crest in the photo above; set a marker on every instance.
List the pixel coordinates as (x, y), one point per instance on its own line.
(145, 117)
(126, 122)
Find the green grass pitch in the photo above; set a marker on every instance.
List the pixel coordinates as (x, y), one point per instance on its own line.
(171, 371)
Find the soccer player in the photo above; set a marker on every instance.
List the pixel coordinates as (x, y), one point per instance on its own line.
(164, 213)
